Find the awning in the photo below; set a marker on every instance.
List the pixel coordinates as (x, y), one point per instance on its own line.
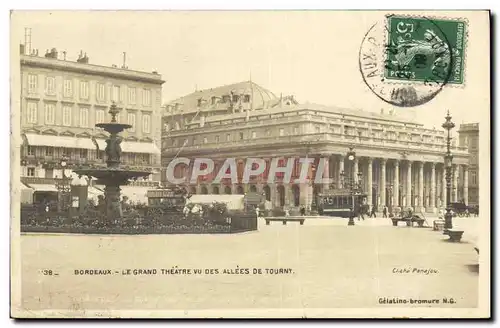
(133, 147)
(25, 187)
(135, 194)
(59, 141)
(43, 187)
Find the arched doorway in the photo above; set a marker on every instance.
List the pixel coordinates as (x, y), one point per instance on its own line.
(253, 188)
(240, 190)
(204, 190)
(192, 190)
(267, 192)
(215, 190)
(281, 195)
(296, 195)
(227, 190)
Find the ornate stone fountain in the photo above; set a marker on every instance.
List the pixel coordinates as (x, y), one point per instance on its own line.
(113, 175)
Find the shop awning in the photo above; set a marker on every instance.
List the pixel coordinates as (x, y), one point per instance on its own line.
(59, 141)
(43, 187)
(135, 194)
(133, 147)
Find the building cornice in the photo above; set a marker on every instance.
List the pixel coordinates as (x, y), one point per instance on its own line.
(112, 72)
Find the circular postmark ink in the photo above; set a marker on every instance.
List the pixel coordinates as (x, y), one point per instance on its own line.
(406, 61)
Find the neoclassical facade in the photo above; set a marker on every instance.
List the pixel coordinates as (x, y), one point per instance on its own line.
(402, 162)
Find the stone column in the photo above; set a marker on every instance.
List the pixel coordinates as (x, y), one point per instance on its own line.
(382, 182)
(408, 185)
(433, 187)
(356, 168)
(326, 174)
(454, 188)
(443, 188)
(466, 184)
(341, 169)
(396, 184)
(370, 181)
(420, 186)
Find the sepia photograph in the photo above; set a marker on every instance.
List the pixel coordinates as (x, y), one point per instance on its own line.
(250, 164)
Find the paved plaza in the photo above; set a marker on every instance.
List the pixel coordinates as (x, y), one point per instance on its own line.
(324, 264)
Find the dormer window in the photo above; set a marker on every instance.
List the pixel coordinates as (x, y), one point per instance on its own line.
(214, 99)
(246, 98)
(199, 102)
(235, 98)
(225, 99)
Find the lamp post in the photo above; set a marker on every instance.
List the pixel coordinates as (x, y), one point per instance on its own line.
(63, 185)
(353, 185)
(314, 207)
(389, 189)
(448, 125)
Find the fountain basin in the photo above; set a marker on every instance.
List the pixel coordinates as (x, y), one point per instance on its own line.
(115, 174)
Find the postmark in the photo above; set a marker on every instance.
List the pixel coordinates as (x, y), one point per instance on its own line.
(406, 61)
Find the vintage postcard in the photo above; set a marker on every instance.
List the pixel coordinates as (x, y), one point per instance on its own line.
(250, 164)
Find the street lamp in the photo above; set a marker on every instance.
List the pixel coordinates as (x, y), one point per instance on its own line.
(390, 190)
(352, 185)
(63, 186)
(314, 207)
(448, 125)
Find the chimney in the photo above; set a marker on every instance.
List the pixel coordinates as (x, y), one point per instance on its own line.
(21, 49)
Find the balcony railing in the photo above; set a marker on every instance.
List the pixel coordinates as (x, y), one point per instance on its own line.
(334, 138)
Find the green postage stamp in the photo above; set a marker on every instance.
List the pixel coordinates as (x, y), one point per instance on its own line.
(425, 49)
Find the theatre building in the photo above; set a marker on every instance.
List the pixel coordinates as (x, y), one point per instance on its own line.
(401, 161)
(62, 100)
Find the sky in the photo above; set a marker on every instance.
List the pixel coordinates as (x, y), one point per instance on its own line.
(312, 55)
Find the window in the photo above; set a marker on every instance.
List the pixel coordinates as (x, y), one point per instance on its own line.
(49, 151)
(235, 98)
(32, 112)
(216, 139)
(194, 141)
(228, 137)
(241, 136)
(295, 130)
(282, 132)
(146, 97)
(247, 98)
(84, 90)
(225, 99)
(174, 142)
(131, 95)
(32, 83)
(254, 134)
(116, 96)
(473, 175)
(84, 117)
(83, 153)
(99, 116)
(31, 171)
(50, 113)
(205, 140)
(50, 85)
(146, 123)
(68, 88)
(131, 121)
(31, 151)
(268, 132)
(318, 130)
(101, 91)
(213, 100)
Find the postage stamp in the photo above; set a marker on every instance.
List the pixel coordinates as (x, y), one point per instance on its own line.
(407, 60)
(425, 50)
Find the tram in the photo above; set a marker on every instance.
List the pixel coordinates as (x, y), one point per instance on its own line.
(340, 203)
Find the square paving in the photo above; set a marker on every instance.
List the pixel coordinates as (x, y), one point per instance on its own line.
(326, 264)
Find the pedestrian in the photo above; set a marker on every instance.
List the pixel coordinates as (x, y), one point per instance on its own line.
(287, 212)
(372, 212)
(384, 212)
(360, 213)
(303, 211)
(257, 210)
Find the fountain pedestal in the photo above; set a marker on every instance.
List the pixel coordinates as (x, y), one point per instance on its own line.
(113, 175)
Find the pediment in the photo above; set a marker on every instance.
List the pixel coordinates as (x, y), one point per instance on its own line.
(84, 135)
(31, 131)
(51, 132)
(131, 138)
(67, 133)
(100, 136)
